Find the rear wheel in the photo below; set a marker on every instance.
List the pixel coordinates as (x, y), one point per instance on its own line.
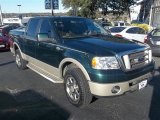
(20, 62)
(76, 87)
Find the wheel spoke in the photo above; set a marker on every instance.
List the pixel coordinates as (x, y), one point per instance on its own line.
(18, 60)
(72, 89)
(77, 94)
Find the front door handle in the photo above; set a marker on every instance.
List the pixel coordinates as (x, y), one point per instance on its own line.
(59, 49)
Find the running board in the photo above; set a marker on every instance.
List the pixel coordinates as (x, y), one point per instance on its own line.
(44, 73)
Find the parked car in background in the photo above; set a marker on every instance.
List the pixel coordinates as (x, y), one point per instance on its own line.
(4, 36)
(129, 32)
(153, 40)
(4, 42)
(121, 23)
(18, 32)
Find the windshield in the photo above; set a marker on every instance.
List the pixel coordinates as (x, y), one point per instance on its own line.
(78, 27)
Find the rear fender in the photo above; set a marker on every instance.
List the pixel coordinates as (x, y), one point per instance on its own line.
(15, 47)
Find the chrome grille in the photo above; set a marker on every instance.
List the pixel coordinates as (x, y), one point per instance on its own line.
(136, 60)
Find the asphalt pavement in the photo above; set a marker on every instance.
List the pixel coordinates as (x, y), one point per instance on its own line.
(25, 95)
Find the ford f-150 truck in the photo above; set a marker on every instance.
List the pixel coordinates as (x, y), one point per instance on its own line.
(81, 54)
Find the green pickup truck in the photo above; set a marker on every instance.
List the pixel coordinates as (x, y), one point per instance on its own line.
(81, 54)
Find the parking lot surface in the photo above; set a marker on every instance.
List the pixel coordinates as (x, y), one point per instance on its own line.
(25, 95)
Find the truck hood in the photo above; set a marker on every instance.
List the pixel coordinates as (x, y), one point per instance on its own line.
(101, 46)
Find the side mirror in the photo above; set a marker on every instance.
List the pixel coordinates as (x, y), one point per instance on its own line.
(43, 37)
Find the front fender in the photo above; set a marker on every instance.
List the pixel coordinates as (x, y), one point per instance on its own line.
(78, 59)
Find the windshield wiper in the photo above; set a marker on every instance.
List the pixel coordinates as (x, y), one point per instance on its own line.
(97, 34)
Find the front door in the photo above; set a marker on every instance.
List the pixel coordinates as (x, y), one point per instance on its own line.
(48, 52)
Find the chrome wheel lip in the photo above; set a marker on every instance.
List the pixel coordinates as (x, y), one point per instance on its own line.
(72, 89)
(18, 60)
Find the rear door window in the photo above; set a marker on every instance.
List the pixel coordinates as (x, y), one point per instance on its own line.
(117, 29)
(141, 31)
(136, 30)
(132, 30)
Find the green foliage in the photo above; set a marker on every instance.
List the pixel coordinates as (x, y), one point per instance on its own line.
(71, 3)
(117, 7)
(146, 27)
(88, 8)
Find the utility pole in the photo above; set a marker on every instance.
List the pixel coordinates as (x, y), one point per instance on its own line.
(1, 17)
(150, 16)
(52, 7)
(19, 8)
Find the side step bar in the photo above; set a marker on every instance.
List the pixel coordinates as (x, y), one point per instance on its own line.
(44, 73)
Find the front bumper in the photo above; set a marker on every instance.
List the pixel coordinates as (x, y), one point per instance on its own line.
(101, 89)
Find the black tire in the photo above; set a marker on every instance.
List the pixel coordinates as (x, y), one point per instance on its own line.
(20, 62)
(157, 62)
(84, 97)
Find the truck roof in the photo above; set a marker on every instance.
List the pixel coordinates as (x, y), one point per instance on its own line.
(57, 17)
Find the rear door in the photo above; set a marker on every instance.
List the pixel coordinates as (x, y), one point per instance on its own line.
(136, 33)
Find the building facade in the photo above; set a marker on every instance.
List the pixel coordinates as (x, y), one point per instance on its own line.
(155, 14)
(146, 11)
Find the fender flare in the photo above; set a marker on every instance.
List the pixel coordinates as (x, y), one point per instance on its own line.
(76, 63)
(16, 44)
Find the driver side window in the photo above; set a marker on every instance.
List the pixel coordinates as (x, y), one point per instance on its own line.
(46, 28)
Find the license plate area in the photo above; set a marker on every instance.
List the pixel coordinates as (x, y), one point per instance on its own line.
(1, 46)
(142, 84)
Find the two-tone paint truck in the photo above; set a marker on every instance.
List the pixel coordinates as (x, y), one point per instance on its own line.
(83, 56)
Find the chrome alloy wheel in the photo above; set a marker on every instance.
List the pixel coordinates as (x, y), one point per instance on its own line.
(72, 89)
(18, 60)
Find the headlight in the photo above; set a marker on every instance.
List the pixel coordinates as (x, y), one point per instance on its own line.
(105, 63)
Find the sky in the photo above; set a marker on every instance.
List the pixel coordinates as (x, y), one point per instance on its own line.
(27, 6)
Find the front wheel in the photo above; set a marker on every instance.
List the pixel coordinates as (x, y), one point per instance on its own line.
(76, 87)
(20, 62)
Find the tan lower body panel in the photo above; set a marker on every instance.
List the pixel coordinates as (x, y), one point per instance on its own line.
(105, 89)
(45, 74)
(49, 72)
(100, 89)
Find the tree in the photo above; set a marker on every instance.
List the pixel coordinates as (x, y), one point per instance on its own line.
(88, 8)
(117, 7)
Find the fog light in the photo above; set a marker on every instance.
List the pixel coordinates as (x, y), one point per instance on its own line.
(116, 89)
